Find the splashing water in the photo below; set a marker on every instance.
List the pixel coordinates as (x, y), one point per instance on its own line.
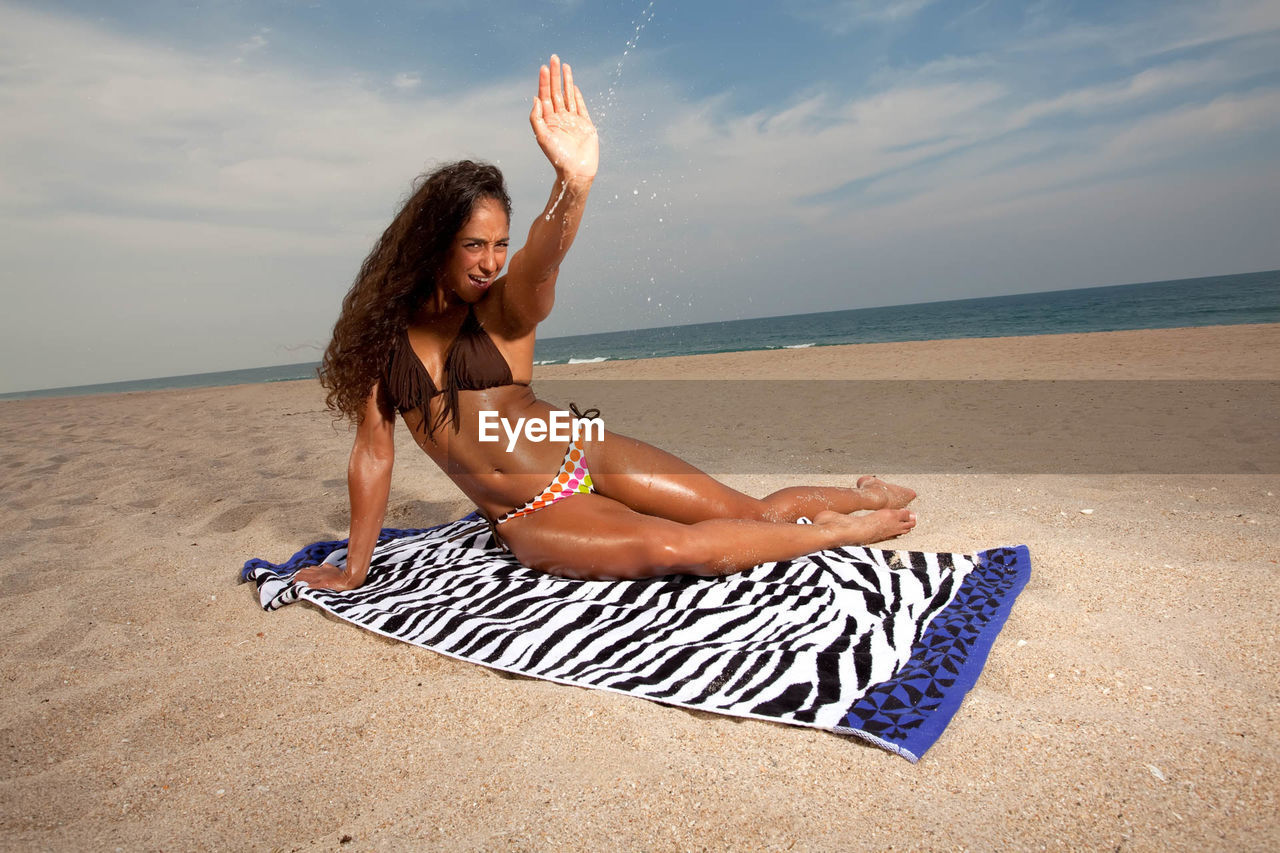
(564, 185)
(648, 204)
(611, 96)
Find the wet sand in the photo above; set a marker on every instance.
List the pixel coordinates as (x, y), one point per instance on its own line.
(1130, 702)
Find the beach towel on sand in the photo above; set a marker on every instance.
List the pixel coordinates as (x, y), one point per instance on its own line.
(881, 645)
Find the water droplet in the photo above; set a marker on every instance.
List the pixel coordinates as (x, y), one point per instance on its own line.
(564, 186)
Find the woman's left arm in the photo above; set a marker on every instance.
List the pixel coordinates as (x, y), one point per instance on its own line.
(563, 129)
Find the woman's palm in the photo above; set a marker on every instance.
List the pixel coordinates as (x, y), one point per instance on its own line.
(561, 123)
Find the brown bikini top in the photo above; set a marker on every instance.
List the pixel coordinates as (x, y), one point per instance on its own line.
(473, 363)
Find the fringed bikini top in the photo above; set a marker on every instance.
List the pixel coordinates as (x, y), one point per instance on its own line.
(473, 363)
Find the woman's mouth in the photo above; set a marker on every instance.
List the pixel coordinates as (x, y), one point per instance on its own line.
(479, 282)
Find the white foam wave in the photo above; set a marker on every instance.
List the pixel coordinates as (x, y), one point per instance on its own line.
(797, 346)
(595, 360)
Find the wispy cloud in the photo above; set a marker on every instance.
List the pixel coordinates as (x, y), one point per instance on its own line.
(115, 125)
(406, 81)
(254, 43)
(843, 16)
(1179, 27)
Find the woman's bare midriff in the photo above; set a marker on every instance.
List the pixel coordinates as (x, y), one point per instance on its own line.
(495, 478)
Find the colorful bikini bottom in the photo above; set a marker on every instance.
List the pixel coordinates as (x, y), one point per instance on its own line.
(573, 478)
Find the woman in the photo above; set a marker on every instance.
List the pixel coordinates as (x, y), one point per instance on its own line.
(432, 331)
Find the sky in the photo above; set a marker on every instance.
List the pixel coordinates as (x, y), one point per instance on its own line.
(191, 187)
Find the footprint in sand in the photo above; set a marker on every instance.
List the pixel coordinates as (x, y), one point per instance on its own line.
(235, 518)
(51, 523)
(25, 582)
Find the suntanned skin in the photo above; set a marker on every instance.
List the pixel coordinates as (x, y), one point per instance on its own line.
(651, 514)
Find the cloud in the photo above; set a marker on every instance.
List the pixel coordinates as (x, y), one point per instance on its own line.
(110, 125)
(406, 81)
(843, 16)
(254, 43)
(1179, 27)
(1191, 127)
(1188, 26)
(820, 143)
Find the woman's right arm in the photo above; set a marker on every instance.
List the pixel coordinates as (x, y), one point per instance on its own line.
(564, 131)
(369, 486)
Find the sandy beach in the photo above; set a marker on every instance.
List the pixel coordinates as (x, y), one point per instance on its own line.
(1131, 702)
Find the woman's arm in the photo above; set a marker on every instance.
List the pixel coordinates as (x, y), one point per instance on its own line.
(368, 485)
(566, 135)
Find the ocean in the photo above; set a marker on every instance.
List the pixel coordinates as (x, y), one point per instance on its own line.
(1218, 300)
(1212, 301)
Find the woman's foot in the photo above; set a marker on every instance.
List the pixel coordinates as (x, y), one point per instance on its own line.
(873, 527)
(894, 497)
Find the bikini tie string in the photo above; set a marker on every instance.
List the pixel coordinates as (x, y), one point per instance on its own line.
(589, 414)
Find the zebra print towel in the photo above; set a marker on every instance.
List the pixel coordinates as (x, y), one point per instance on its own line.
(882, 645)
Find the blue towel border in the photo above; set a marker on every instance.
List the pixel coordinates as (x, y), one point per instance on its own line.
(908, 713)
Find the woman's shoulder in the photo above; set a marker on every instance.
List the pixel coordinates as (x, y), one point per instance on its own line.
(493, 315)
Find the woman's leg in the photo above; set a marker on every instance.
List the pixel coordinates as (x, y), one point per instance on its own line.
(653, 482)
(592, 537)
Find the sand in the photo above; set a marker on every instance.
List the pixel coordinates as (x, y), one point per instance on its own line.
(1130, 702)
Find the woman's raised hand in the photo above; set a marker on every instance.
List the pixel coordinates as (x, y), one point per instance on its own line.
(562, 125)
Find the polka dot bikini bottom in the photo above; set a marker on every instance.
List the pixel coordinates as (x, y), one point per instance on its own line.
(573, 478)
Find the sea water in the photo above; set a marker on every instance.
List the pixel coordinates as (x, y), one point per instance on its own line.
(253, 375)
(1218, 300)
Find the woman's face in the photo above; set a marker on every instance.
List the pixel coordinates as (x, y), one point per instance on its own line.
(479, 252)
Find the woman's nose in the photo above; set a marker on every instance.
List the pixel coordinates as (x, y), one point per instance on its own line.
(488, 261)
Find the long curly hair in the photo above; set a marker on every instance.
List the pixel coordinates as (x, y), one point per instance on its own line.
(398, 276)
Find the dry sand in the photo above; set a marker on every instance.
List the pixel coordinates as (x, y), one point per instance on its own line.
(1130, 703)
